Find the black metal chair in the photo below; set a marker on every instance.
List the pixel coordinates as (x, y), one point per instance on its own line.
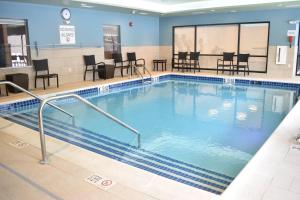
(89, 61)
(194, 61)
(244, 59)
(180, 61)
(120, 63)
(226, 62)
(135, 62)
(41, 66)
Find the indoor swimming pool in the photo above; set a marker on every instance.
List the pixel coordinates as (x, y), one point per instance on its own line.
(197, 132)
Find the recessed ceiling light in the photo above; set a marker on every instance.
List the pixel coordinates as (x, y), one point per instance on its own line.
(198, 12)
(84, 5)
(292, 6)
(143, 13)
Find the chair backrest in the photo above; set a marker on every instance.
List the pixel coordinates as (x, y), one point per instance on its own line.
(89, 60)
(243, 57)
(228, 56)
(40, 65)
(182, 55)
(131, 56)
(117, 57)
(194, 55)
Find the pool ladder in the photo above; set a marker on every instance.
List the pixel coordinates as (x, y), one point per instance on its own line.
(141, 75)
(47, 101)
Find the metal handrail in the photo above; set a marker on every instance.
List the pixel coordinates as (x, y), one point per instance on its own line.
(41, 126)
(148, 73)
(35, 96)
(140, 74)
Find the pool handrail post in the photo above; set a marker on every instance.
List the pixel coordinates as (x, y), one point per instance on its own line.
(41, 126)
(141, 75)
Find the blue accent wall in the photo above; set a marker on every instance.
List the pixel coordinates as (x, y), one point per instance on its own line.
(44, 20)
(278, 18)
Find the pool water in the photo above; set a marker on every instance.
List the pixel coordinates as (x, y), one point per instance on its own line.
(214, 126)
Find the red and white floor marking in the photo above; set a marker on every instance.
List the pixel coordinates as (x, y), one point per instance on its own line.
(100, 181)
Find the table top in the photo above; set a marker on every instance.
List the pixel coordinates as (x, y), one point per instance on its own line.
(160, 60)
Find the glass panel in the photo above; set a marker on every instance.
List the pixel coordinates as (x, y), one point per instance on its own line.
(217, 39)
(14, 45)
(254, 38)
(211, 61)
(112, 40)
(184, 39)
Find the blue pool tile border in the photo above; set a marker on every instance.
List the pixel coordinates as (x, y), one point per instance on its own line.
(135, 151)
(197, 78)
(94, 91)
(122, 159)
(128, 146)
(268, 84)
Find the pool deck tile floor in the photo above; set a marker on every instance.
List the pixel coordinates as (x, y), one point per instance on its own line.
(273, 173)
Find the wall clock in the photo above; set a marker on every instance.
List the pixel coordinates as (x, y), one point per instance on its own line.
(65, 14)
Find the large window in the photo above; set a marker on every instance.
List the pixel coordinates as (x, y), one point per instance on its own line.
(14, 43)
(184, 39)
(212, 40)
(112, 40)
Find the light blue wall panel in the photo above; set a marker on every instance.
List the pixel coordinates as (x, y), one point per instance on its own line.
(278, 22)
(44, 20)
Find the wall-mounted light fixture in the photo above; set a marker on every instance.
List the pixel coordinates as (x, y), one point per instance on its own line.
(294, 21)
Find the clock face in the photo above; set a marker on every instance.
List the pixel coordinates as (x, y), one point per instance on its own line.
(65, 14)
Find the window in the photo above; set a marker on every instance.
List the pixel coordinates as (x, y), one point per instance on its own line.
(112, 41)
(212, 40)
(184, 39)
(14, 43)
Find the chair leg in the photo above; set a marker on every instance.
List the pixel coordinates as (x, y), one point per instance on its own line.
(93, 75)
(35, 82)
(121, 71)
(248, 69)
(84, 75)
(57, 82)
(6, 89)
(44, 83)
(48, 81)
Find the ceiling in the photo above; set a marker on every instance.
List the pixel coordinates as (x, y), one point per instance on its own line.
(172, 7)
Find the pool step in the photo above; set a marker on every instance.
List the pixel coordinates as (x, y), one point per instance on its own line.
(155, 163)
